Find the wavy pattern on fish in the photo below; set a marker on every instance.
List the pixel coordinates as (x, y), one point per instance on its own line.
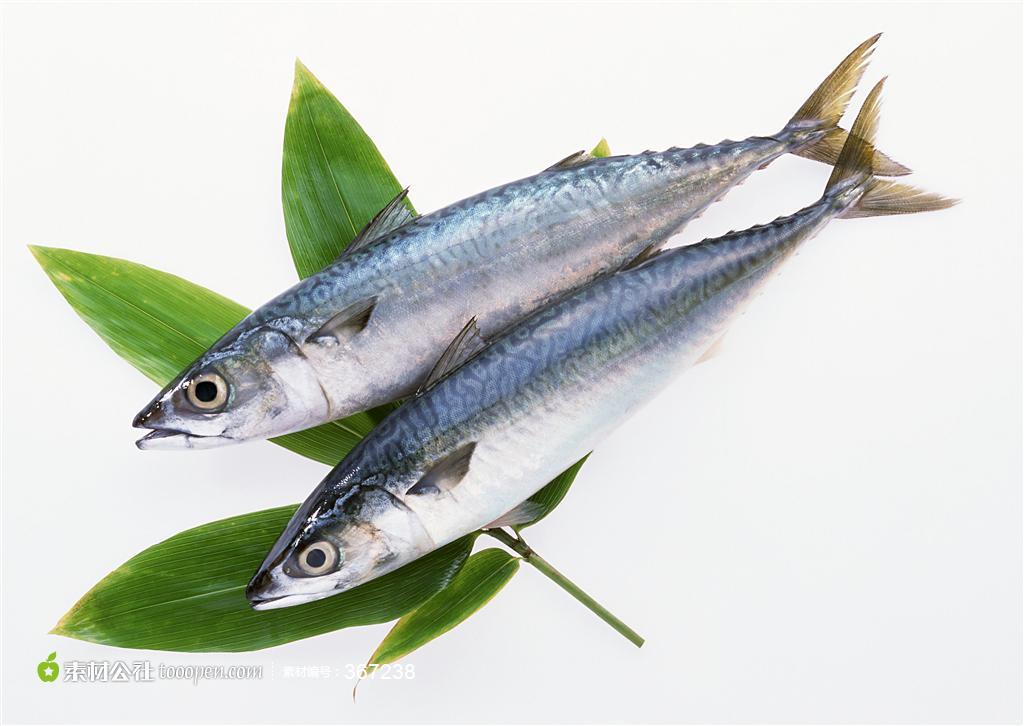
(492, 432)
(367, 329)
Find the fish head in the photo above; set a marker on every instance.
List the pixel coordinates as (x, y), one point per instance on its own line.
(255, 385)
(332, 546)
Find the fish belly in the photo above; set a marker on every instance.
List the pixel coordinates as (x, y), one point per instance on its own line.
(551, 423)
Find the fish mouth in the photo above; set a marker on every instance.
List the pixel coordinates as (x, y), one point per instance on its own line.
(170, 439)
(270, 602)
(261, 592)
(163, 437)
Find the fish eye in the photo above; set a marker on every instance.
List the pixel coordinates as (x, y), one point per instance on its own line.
(317, 559)
(207, 391)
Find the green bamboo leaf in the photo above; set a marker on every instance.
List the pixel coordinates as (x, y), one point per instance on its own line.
(123, 301)
(481, 579)
(160, 323)
(602, 149)
(187, 593)
(333, 178)
(553, 493)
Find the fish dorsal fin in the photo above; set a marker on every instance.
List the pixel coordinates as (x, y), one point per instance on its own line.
(576, 159)
(396, 214)
(520, 514)
(648, 252)
(446, 474)
(463, 347)
(349, 321)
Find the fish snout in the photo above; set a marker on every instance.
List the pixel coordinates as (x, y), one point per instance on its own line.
(264, 593)
(150, 417)
(161, 436)
(259, 585)
(168, 430)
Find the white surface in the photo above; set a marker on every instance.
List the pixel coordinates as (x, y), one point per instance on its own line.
(822, 524)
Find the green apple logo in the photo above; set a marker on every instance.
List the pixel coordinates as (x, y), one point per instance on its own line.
(48, 669)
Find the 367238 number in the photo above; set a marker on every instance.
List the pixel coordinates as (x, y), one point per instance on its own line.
(384, 671)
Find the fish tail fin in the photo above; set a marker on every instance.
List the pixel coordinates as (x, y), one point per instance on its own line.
(887, 197)
(854, 167)
(825, 107)
(827, 149)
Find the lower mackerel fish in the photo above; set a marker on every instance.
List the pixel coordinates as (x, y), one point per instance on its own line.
(488, 434)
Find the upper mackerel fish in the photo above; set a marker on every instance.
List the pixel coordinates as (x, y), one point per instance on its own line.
(367, 329)
(468, 451)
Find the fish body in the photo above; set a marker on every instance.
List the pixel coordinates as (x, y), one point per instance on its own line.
(498, 256)
(492, 432)
(530, 404)
(367, 329)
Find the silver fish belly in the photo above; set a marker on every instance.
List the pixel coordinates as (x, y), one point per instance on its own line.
(502, 255)
(545, 395)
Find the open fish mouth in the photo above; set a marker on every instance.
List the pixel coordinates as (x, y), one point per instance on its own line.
(286, 601)
(267, 591)
(168, 439)
(262, 600)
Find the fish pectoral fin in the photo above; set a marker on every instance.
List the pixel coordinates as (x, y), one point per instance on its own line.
(396, 214)
(520, 514)
(464, 346)
(576, 159)
(446, 474)
(349, 321)
(712, 351)
(650, 251)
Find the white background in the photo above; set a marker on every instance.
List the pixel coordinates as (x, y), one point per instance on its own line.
(822, 524)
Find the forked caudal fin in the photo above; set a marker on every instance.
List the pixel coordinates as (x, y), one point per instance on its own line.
(854, 167)
(826, 107)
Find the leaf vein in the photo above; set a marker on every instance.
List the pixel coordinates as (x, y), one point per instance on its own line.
(330, 171)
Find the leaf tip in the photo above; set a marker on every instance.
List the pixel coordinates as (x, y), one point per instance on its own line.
(58, 629)
(602, 149)
(61, 628)
(38, 252)
(71, 623)
(303, 77)
(49, 258)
